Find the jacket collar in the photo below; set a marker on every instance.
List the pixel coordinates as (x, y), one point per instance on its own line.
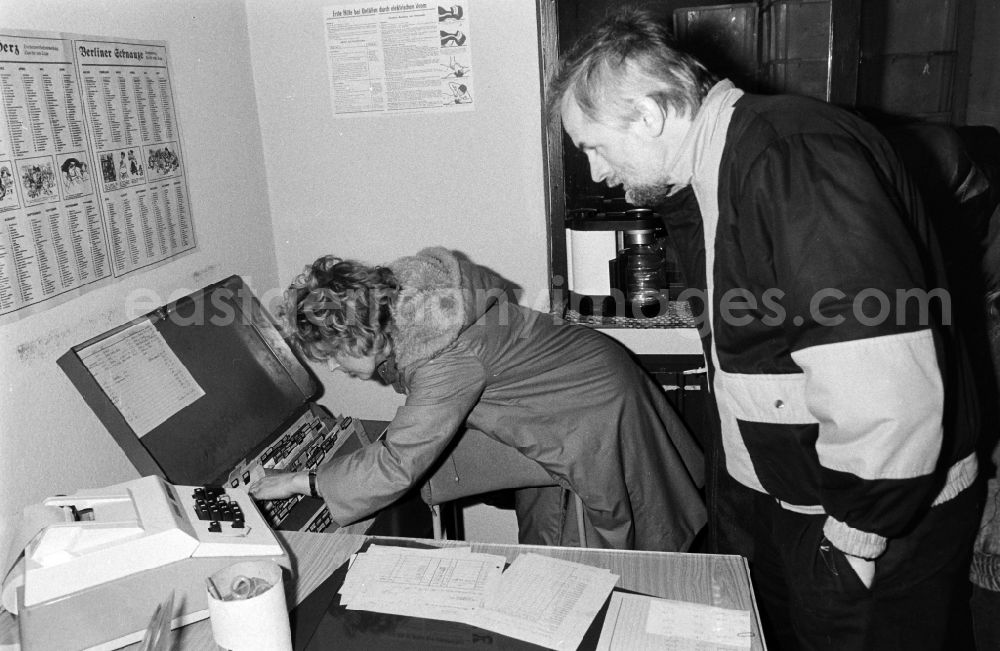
(704, 140)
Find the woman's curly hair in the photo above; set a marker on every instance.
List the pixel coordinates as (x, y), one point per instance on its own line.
(338, 305)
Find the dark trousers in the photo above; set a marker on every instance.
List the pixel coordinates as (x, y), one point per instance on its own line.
(986, 618)
(810, 598)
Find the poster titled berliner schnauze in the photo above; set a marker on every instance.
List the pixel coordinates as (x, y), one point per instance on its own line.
(399, 57)
(92, 177)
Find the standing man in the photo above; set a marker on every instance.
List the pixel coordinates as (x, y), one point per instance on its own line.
(844, 411)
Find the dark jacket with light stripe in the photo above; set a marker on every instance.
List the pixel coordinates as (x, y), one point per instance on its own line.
(839, 391)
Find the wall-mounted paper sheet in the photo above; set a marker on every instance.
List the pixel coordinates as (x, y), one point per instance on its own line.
(402, 58)
(93, 179)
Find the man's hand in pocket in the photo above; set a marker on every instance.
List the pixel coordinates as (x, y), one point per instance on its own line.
(864, 568)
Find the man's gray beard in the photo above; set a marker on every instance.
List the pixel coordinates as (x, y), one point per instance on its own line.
(648, 195)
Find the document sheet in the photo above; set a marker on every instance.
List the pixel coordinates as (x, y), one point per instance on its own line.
(546, 601)
(640, 623)
(446, 584)
(541, 600)
(399, 58)
(142, 376)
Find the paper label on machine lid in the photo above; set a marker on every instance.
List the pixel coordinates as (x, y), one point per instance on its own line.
(142, 376)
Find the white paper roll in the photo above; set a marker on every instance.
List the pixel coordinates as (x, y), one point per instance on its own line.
(258, 623)
(32, 521)
(589, 254)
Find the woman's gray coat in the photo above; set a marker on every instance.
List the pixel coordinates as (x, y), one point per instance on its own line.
(566, 396)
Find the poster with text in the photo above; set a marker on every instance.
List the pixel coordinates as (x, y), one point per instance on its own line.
(92, 177)
(386, 58)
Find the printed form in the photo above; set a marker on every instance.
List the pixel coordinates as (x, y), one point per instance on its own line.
(538, 599)
(643, 623)
(142, 376)
(445, 584)
(547, 601)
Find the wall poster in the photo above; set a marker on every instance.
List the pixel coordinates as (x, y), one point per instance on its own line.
(93, 184)
(407, 57)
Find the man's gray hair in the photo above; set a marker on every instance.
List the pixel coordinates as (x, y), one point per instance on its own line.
(629, 56)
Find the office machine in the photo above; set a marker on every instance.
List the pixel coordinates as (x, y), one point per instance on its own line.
(205, 391)
(96, 571)
(619, 262)
(204, 396)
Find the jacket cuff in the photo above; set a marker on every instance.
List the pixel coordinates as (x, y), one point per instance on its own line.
(985, 571)
(853, 541)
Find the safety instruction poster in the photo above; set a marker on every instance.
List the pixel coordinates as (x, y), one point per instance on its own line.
(389, 58)
(92, 177)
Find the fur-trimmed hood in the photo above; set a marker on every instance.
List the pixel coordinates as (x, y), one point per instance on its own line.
(440, 296)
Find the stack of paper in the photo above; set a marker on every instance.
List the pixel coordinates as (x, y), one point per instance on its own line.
(538, 599)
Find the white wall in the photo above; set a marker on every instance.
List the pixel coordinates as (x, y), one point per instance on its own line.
(380, 187)
(50, 441)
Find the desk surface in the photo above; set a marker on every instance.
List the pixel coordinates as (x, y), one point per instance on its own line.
(714, 580)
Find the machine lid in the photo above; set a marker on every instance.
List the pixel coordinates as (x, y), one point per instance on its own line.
(589, 219)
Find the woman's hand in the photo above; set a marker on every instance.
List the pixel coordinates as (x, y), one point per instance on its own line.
(276, 485)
